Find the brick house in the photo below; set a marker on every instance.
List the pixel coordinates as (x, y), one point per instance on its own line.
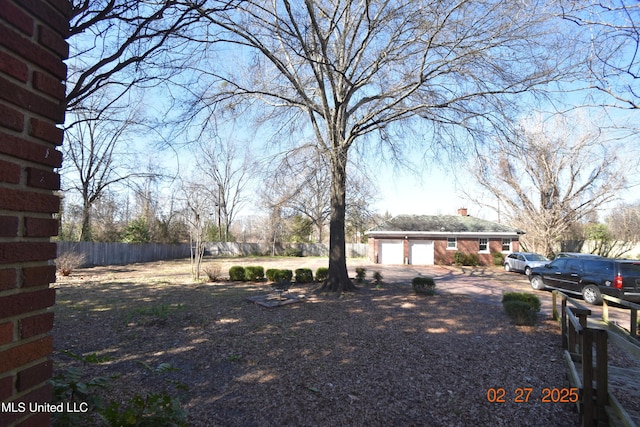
(32, 105)
(434, 239)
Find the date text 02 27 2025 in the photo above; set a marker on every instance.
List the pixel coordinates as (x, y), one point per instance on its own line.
(524, 395)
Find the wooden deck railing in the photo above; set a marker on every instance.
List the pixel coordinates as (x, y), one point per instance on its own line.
(580, 343)
(633, 313)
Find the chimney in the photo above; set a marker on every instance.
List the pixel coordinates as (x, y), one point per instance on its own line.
(462, 211)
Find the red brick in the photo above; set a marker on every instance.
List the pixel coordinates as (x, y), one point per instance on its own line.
(21, 97)
(54, 18)
(38, 276)
(11, 252)
(13, 66)
(44, 154)
(8, 227)
(6, 387)
(48, 85)
(6, 333)
(36, 325)
(8, 279)
(45, 131)
(53, 41)
(17, 17)
(20, 355)
(40, 178)
(27, 201)
(40, 227)
(34, 375)
(11, 118)
(12, 305)
(38, 419)
(9, 172)
(31, 52)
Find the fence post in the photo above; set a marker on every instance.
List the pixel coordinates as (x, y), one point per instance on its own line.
(554, 300)
(602, 374)
(587, 377)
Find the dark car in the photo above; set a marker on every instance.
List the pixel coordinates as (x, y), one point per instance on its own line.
(524, 261)
(590, 277)
(575, 255)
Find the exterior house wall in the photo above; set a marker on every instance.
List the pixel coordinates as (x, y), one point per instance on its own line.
(31, 104)
(444, 256)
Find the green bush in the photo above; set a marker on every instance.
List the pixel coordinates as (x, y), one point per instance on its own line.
(278, 275)
(361, 273)
(322, 273)
(424, 285)
(378, 278)
(293, 251)
(460, 258)
(531, 299)
(520, 312)
(236, 273)
(270, 274)
(254, 273)
(304, 275)
(498, 258)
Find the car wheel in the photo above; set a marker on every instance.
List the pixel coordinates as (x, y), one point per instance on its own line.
(527, 271)
(507, 267)
(591, 295)
(537, 283)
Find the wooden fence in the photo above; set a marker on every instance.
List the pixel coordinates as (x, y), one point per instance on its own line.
(100, 253)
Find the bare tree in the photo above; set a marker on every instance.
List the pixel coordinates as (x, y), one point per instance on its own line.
(197, 210)
(612, 45)
(96, 150)
(226, 174)
(549, 175)
(356, 70)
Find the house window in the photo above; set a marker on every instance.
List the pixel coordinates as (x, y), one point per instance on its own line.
(484, 245)
(452, 243)
(506, 245)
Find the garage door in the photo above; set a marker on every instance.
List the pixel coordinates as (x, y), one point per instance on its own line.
(421, 252)
(391, 252)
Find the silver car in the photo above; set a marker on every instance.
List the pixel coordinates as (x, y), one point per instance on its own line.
(523, 262)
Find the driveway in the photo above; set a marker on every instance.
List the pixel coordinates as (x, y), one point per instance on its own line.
(486, 284)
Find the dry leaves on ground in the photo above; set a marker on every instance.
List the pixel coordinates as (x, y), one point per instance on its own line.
(373, 357)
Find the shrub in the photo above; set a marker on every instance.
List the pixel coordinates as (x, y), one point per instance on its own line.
(236, 273)
(322, 273)
(278, 275)
(254, 273)
(520, 312)
(521, 307)
(270, 274)
(460, 258)
(530, 299)
(293, 251)
(378, 278)
(424, 285)
(213, 272)
(69, 261)
(284, 275)
(498, 258)
(361, 273)
(304, 275)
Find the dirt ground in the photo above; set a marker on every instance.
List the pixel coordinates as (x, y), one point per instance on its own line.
(379, 356)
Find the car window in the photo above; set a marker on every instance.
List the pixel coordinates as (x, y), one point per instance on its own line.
(573, 264)
(630, 268)
(520, 258)
(536, 257)
(512, 256)
(598, 267)
(559, 264)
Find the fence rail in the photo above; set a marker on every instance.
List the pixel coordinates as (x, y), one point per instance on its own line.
(100, 253)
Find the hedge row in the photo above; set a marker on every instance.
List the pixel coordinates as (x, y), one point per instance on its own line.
(523, 308)
(257, 273)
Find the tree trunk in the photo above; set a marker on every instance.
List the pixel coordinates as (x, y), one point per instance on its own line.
(338, 277)
(85, 231)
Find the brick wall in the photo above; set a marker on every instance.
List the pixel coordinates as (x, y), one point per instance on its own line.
(32, 50)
